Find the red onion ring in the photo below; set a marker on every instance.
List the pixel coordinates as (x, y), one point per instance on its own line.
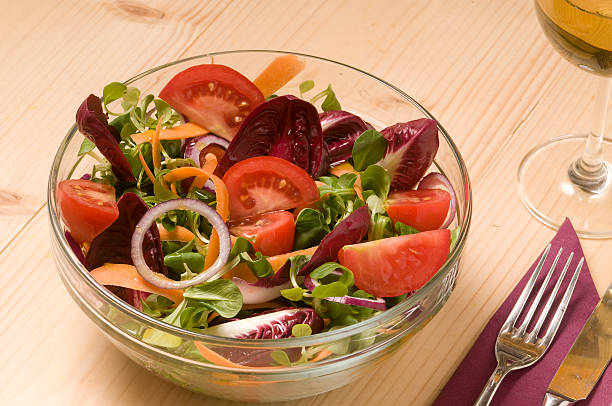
(149, 219)
(433, 181)
(376, 304)
(252, 294)
(194, 145)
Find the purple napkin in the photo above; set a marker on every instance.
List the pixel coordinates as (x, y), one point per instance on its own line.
(526, 387)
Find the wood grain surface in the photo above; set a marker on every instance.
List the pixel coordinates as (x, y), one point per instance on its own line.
(482, 67)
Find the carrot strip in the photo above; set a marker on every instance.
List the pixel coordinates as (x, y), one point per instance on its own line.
(241, 271)
(210, 164)
(276, 75)
(184, 172)
(180, 233)
(223, 209)
(173, 188)
(277, 261)
(212, 357)
(222, 197)
(155, 147)
(187, 130)
(145, 166)
(212, 251)
(321, 355)
(345, 167)
(126, 276)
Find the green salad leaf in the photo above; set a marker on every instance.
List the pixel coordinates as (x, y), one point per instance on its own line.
(368, 149)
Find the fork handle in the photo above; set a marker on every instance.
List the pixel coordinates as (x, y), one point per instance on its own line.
(492, 384)
(554, 400)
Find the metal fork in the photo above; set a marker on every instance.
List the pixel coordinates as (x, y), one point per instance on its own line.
(515, 347)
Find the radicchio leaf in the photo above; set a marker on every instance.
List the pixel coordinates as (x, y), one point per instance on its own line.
(411, 149)
(349, 231)
(285, 127)
(76, 248)
(92, 123)
(113, 245)
(269, 325)
(340, 130)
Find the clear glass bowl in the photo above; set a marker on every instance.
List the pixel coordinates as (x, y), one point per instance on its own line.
(357, 349)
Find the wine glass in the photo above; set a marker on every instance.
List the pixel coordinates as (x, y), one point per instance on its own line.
(571, 176)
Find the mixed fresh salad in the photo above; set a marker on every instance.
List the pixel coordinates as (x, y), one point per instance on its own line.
(223, 208)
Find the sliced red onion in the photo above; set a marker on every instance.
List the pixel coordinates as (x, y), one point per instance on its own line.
(310, 283)
(149, 219)
(433, 181)
(76, 248)
(376, 304)
(252, 294)
(195, 145)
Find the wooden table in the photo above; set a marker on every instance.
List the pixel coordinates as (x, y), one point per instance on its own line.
(482, 67)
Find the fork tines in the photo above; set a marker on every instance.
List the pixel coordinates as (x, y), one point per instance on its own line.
(509, 325)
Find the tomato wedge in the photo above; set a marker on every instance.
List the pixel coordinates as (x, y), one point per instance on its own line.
(215, 97)
(87, 208)
(270, 233)
(424, 209)
(265, 183)
(397, 265)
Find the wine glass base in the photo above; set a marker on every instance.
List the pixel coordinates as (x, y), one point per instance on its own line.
(548, 193)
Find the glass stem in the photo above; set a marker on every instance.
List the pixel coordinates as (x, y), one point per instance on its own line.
(590, 172)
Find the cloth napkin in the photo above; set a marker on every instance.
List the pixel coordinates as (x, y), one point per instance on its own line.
(526, 387)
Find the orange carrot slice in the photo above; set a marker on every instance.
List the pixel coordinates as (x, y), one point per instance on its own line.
(223, 209)
(212, 252)
(214, 358)
(180, 233)
(187, 130)
(278, 74)
(222, 197)
(321, 355)
(184, 172)
(155, 147)
(126, 276)
(210, 164)
(277, 261)
(145, 166)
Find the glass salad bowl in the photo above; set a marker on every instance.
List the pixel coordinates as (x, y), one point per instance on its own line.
(347, 353)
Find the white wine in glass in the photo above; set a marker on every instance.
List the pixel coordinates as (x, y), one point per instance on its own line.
(571, 176)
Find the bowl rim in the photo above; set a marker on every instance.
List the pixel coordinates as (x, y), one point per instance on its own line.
(316, 339)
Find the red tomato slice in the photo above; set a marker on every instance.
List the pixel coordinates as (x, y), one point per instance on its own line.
(397, 265)
(215, 97)
(270, 233)
(265, 183)
(424, 209)
(87, 208)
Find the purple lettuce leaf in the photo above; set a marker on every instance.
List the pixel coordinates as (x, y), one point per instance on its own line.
(113, 245)
(411, 148)
(340, 130)
(76, 248)
(285, 127)
(92, 123)
(349, 231)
